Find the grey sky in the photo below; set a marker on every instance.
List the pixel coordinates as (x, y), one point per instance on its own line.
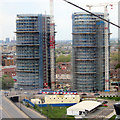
(62, 15)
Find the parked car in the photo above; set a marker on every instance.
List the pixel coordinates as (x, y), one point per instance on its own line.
(104, 102)
(6, 92)
(105, 105)
(84, 94)
(39, 93)
(96, 94)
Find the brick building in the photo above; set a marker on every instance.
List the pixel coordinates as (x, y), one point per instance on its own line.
(63, 74)
(9, 70)
(8, 60)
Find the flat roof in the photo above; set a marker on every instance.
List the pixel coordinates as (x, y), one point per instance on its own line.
(98, 13)
(84, 105)
(32, 15)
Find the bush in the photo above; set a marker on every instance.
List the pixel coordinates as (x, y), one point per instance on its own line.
(7, 82)
(111, 98)
(113, 117)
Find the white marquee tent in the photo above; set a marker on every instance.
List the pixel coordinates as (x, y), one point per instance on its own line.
(82, 108)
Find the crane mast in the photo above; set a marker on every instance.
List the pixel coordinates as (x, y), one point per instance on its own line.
(52, 46)
(106, 50)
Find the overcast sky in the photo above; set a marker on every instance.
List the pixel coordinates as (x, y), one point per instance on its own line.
(62, 15)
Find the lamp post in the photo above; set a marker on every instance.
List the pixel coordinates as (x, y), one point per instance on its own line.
(47, 112)
(40, 106)
(20, 97)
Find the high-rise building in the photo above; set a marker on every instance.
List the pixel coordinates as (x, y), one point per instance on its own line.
(33, 51)
(88, 59)
(7, 40)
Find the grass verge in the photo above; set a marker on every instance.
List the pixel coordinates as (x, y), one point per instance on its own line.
(54, 112)
(113, 117)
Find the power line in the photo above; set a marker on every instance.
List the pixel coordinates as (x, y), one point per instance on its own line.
(91, 13)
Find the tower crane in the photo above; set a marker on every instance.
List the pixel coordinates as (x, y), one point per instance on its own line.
(105, 5)
(52, 46)
(101, 4)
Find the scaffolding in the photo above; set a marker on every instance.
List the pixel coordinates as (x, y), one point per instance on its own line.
(33, 50)
(87, 33)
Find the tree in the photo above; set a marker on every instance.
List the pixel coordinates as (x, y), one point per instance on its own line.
(117, 66)
(63, 58)
(7, 82)
(114, 56)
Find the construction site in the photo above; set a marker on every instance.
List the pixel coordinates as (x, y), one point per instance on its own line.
(90, 50)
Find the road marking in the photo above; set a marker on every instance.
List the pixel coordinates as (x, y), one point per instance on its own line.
(5, 111)
(23, 115)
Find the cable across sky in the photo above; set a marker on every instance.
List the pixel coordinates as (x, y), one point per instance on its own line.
(91, 13)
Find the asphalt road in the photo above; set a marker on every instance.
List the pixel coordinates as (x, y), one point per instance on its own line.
(9, 110)
(30, 112)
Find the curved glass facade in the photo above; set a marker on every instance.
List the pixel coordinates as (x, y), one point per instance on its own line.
(88, 52)
(33, 50)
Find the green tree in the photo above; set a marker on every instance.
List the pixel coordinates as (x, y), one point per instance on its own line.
(7, 82)
(117, 66)
(114, 56)
(63, 52)
(63, 58)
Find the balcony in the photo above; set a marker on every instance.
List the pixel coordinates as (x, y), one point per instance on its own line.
(27, 58)
(27, 71)
(27, 31)
(85, 59)
(27, 44)
(85, 72)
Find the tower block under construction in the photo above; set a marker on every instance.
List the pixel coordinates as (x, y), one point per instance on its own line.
(88, 59)
(33, 51)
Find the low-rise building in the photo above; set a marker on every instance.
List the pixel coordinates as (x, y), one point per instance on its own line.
(36, 101)
(56, 99)
(63, 74)
(8, 59)
(115, 79)
(9, 70)
(83, 108)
